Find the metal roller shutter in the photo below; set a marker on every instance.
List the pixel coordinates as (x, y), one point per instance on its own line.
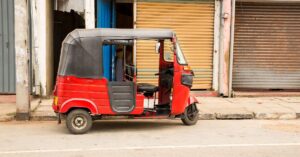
(193, 22)
(7, 52)
(267, 49)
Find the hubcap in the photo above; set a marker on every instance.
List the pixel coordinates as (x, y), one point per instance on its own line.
(79, 122)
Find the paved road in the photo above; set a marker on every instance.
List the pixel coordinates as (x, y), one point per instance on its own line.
(122, 138)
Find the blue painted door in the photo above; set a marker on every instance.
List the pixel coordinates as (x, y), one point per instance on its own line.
(106, 19)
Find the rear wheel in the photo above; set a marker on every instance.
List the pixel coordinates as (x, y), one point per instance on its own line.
(79, 121)
(190, 115)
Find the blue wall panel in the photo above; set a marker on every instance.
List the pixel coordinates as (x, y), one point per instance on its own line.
(106, 19)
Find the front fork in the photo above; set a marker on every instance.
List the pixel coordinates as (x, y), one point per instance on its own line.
(192, 107)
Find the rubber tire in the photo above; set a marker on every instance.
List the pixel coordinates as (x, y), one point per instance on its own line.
(187, 121)
(84, 114)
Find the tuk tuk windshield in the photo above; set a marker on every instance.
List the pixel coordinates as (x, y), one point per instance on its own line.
(180, 57)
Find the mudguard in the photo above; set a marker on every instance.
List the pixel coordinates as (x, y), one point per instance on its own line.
(192, 99)
(79, 103)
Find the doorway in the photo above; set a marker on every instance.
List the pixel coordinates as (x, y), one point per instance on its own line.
(124, 15)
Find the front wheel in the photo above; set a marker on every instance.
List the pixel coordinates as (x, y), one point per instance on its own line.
(190, 115)
(79, 121)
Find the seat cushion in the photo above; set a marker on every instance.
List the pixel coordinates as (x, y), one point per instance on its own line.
(147, 87)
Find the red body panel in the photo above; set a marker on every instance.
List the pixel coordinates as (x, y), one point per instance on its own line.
(192, 99)
(87, 93)
(180, 92)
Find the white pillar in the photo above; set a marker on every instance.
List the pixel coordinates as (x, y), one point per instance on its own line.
(225, 48)
(49, 46)
(22, 60)
(89, 14)
(43, 47)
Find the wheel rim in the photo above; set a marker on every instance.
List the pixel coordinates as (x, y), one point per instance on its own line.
(79, 122)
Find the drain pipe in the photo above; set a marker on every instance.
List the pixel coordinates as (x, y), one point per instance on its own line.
(134, 44)
(221, 49)
(232, 23)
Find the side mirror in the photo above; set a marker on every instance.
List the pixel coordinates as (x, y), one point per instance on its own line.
(157, 46)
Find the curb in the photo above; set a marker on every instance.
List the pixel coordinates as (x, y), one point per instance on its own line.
(202, 116)
(43, 118)
(247, 116)
(213, 116)
(207, 116)
(297, 115)
(7, 118)
(232, 116)
(226, 116)
(12, 116)
(276, 116)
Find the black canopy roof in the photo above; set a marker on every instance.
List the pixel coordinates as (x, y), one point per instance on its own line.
(81, 53)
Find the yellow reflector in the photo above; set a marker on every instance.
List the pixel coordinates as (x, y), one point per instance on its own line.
(55, 100)
(187, 68)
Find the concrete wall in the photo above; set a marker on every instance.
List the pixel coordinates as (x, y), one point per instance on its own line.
(67, 5)
(42, 38)
(86, 8)
(36, 80)
(89, 14)
(49, 47)
(42, 46)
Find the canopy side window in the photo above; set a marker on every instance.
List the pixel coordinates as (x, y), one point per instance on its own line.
(124, 69)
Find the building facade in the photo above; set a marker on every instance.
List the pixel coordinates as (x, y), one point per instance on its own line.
(232, 45)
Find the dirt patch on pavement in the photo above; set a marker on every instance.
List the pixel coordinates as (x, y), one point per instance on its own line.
(287, 127)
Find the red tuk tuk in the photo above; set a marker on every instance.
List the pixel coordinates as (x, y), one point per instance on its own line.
(82, 93)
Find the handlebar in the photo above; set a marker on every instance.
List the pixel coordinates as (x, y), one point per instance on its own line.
(166, 71)
(170, 71)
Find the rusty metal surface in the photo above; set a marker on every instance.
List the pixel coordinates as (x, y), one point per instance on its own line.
(267, 46)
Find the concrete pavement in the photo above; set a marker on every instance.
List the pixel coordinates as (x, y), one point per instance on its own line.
(212, 138)
(8, 109)
(249, 108)
(267, 108)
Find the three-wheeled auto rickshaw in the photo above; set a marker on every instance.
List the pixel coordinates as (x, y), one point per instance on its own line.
(82, 93)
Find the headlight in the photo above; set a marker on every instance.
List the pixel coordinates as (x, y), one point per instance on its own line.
(187, 80)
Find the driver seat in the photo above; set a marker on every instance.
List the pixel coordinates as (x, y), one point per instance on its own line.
(147, 89)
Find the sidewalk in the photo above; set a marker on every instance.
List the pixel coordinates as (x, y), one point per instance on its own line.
(249, 108)
(8, 109)
(270, 108)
